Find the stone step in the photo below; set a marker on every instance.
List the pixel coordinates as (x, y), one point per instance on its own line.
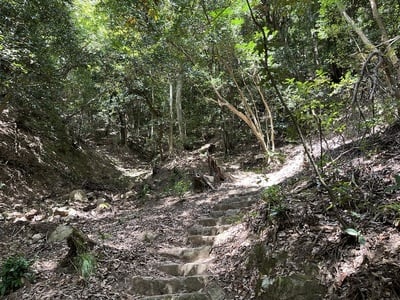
(234, 204)
(188, 269)
(186, 254)
(211, 292)
(225, 213)
(207, 230)
(209, 221)
(150, 286)
(201, 240)
(222, 220)
(185, 296)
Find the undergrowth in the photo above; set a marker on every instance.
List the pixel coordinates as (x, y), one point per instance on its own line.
(15, 272)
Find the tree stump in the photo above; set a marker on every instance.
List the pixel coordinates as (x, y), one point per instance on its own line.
(200, 183)
(215, 170)
(77, 242)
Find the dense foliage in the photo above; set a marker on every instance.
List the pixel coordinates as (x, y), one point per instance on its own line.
(162, 75)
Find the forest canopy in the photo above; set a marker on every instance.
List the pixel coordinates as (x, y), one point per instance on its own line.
(166, 75)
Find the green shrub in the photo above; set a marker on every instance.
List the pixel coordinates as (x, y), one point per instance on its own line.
(144, 190)
(272, 195)
(15, 271)
(181, 187)
(85, 264)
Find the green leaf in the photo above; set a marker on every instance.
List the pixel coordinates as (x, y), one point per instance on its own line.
(352, 232)
(237, 21)
(355, 214)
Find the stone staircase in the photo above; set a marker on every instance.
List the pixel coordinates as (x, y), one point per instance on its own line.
(187, 277)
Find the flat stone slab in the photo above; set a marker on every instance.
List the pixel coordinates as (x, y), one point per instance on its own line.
(186, 296)
(200, 240)
(209, 221)
(150, 286)
(225, 205)
(223, 220)
(222, 213)
(207, 230)
(187, 254)
(188, 269)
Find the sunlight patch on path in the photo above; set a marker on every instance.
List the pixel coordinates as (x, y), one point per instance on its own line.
(127, 172)
(132, 172)
(292, 166)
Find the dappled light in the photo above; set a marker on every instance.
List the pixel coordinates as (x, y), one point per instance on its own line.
(203, 150)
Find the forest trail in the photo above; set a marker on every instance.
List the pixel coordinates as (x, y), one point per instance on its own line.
(185, 268)
(165, 243)
(182, 270)
(152, 243)
(293, 164)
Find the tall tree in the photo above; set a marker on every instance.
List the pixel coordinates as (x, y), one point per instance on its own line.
(38, 49)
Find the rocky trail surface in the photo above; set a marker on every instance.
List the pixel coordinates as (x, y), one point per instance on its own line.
(149, 244)
(159, 241)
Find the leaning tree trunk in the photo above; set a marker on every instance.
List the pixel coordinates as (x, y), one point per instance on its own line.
(253, 127)
(392, 71)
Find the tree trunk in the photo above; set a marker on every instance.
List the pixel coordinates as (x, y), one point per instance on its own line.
(122, 127)
(178, 104)
(391, 53)
(269, 121)
(254, 129)
(171, 119)
(392, 72)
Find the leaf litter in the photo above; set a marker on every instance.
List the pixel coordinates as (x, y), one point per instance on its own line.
(263, 255)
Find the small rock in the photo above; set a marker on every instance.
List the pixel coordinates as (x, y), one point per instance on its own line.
(78, 195)
(216, 292)
(36, 237)
(103, 206)
(100, 201)
(259, 157)
(90, 196)
(13, 215)
(20, 221)
(148, 236)
(129, 194)
(38, 218)
(30, 214)
(61, 211)
(18, 207)
(61, 233)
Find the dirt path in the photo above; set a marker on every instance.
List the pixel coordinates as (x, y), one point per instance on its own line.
(132, 234)
(293, 164)
(151, 244)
